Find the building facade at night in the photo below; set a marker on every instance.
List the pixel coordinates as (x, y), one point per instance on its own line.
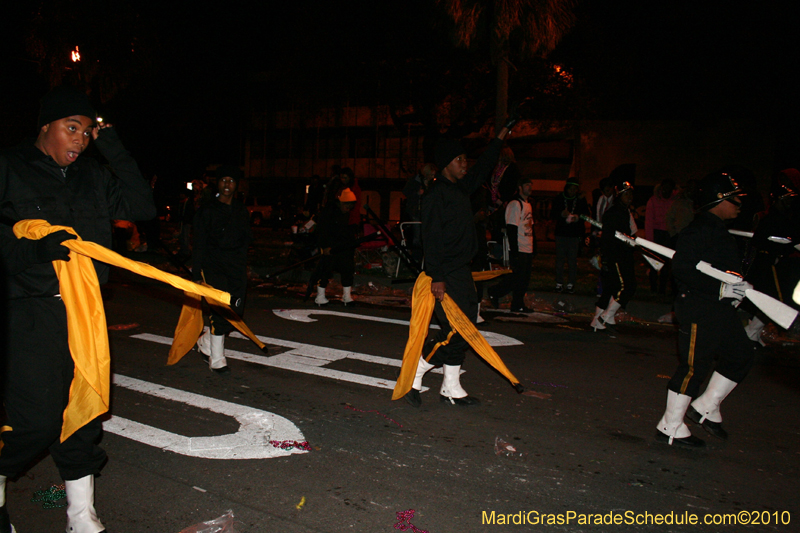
(284, 149)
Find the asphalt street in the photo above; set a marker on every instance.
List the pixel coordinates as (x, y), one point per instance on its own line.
(186, 445)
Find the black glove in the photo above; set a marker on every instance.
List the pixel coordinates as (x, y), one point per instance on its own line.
(50, 248)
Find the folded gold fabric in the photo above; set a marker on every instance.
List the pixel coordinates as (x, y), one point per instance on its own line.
(190, 325)
(422, 304)
(483, 275)
(86, 319)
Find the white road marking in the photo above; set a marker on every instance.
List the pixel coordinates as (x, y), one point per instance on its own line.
(256, 427)
(302, 315)
(305, 358)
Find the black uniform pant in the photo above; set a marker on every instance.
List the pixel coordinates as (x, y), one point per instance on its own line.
(236, 285)
(461, 288)
(342, 262)
(660, 278)
(619, 281)
(38, 375)
(517, 282)
(708, 330)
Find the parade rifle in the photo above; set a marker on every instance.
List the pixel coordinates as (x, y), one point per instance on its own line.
(655, 263)
(782, 314)
(771, 238)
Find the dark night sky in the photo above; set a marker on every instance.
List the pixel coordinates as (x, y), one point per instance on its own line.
(204, 68)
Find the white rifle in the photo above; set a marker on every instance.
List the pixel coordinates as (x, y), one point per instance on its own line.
(779, 312)
(772, 238)
(655, 263)
(796, 295)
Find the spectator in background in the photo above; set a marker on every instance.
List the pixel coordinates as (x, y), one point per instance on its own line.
(519, 228)
(345, 180)
(336, 239)
(655, 228)
(316, 192)
(681, 213)
(570, 229)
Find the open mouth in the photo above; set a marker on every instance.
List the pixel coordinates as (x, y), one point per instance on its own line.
(72, 156)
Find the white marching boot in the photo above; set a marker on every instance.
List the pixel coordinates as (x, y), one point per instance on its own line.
(705, 409)
(204, 343)
(606, 319)
(753, 330)
(320, 299)
(217, 362)
(452, 392)
(610, 318)
(5, 521)
(81, 516)
(596, 324)
(347, 298)
(608, 315)
(671, 428)
(413, 396)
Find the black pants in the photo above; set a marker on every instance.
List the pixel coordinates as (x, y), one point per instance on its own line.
(660, 279)
(619, 281)
(708, 330)
(516, 282)
(236, 285)
(461, 288)
(38, 376)
(343, 263)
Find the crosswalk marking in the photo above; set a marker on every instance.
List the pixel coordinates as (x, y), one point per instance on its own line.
(304, 358)
(251, 441)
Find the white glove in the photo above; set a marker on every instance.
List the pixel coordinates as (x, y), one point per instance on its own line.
(734, 290)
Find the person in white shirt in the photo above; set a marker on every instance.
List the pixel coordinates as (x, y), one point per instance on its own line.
(519, 228)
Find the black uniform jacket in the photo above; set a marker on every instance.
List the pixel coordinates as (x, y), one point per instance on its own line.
(221, 238)
(334, 229)
(613, 250)
(87, 197)
(705, 239)
(448, 230)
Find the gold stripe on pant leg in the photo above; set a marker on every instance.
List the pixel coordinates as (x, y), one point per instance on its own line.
(692, 343)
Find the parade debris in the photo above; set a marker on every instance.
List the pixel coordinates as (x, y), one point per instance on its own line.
(501, 447)
(51, 498)
(123, 327)
(291, 444)
(223, 524)
(301, 504)
(540, 395)
(404, 522)
(549, 384)
(348, 406)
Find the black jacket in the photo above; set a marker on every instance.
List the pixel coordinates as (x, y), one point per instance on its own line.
(221, 238)
(705, 239)
(448, 230)
(613, 250)
(334, 229)
(577, 206)
(86, 198)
